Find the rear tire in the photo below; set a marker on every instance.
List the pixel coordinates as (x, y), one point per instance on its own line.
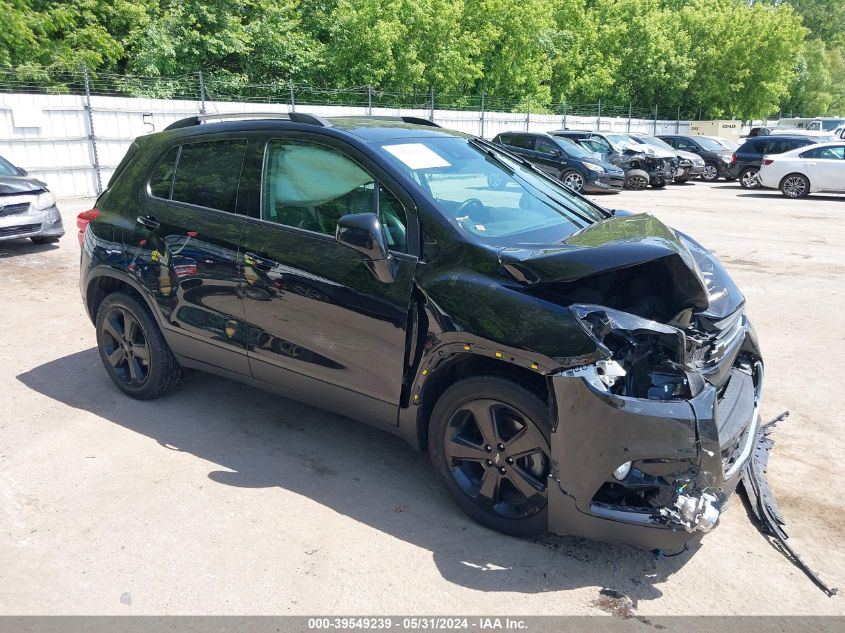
(795, 186)
(133, 350)
(488, 440)
(748, 178)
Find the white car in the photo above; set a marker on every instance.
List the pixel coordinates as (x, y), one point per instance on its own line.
(805, 170)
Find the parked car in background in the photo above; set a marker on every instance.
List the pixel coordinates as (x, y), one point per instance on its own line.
(690, 165)
(716, 156)
(805, 170)
(568, 368)
(576, 167)
(723, 141)
(759, 131)
(642, 166)
(27, 208)
(746, 161)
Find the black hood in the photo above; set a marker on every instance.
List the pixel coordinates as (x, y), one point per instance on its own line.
(698, 281)
(11, 185)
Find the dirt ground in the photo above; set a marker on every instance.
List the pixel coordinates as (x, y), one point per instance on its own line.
(222, 499)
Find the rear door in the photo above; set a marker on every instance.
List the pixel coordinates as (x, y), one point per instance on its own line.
(327, 330)
(185, 248)
(829, 167)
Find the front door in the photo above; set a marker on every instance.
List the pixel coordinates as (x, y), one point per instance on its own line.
(328, 331)
(185, 250)
(830, 167)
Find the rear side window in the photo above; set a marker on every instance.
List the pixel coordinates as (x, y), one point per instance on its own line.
(754, 147)
(517, 140)
(836, 152)
(207, 174)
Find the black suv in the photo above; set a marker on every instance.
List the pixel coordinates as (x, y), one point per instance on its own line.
(568, 368)
(576, 167)
(716, 156)
(746, 161)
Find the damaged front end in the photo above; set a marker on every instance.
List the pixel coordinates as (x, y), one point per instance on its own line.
(650, 436)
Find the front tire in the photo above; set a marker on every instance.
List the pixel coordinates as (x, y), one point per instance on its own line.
(133, 350)
(658, 183)
(710, 173)
(41, 239)
(636, 180)
(489, 444)
(572, 179)
(795, 186)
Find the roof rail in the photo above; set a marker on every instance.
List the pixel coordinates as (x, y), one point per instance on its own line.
(295, 117)
(414, 120)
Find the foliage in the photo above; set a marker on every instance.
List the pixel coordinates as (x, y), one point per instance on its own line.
(739, 58)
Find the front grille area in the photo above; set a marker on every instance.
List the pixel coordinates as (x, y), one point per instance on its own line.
(13, 209)
(19, 229)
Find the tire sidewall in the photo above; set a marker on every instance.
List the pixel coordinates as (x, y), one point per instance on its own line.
(742, 178)
(511, 394)
(793, 175)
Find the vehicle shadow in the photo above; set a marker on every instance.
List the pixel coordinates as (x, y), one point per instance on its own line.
(13, 248)
(261, 440)
(776, 194)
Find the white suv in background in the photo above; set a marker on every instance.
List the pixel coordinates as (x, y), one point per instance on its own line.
(805, 170)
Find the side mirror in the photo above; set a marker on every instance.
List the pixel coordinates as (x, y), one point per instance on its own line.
(362, 232)
(556, 152)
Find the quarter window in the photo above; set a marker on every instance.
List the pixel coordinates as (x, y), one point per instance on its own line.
(518, 140)
(207, 174)
(162, 181)
(311, 186)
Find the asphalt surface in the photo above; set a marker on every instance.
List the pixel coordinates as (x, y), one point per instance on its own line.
(224, 499)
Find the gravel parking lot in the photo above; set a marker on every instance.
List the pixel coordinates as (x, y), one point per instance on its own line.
(225, 499)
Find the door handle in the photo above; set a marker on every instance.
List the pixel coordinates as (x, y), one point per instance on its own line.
(148, 221)
(258, 261)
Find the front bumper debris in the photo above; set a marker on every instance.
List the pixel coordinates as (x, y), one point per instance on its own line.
(685, 454)
(762, 502)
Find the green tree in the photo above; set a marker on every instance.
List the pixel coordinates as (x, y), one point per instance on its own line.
(745, 56)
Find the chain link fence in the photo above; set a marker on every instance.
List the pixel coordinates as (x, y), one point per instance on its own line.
(72, 128)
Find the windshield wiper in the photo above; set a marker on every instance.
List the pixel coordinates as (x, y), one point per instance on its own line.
(494, 151)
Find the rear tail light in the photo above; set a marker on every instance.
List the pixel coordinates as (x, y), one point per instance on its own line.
(733, 157)
(768, 161)
(83, 219)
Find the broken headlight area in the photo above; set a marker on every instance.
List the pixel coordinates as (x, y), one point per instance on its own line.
(642, 358)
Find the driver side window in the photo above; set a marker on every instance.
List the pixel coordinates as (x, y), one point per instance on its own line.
(311, 186)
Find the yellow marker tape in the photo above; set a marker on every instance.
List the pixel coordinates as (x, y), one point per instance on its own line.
(535, 366)
(466, 347)
(498, 354)
(425, 372)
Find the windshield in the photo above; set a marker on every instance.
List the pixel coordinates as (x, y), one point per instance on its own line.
(623, 140)
(7, 169)
(654, 141)
(709, 144)
(488, 195)
(726, 142)
(573, 149)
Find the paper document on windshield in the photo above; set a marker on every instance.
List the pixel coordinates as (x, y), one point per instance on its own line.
(417, 156)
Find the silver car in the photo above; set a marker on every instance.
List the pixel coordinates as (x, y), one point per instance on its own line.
(27, 208)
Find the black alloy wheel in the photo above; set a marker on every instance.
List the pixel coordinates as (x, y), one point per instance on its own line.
(133, 350)
(126, 347)
(488, 443)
